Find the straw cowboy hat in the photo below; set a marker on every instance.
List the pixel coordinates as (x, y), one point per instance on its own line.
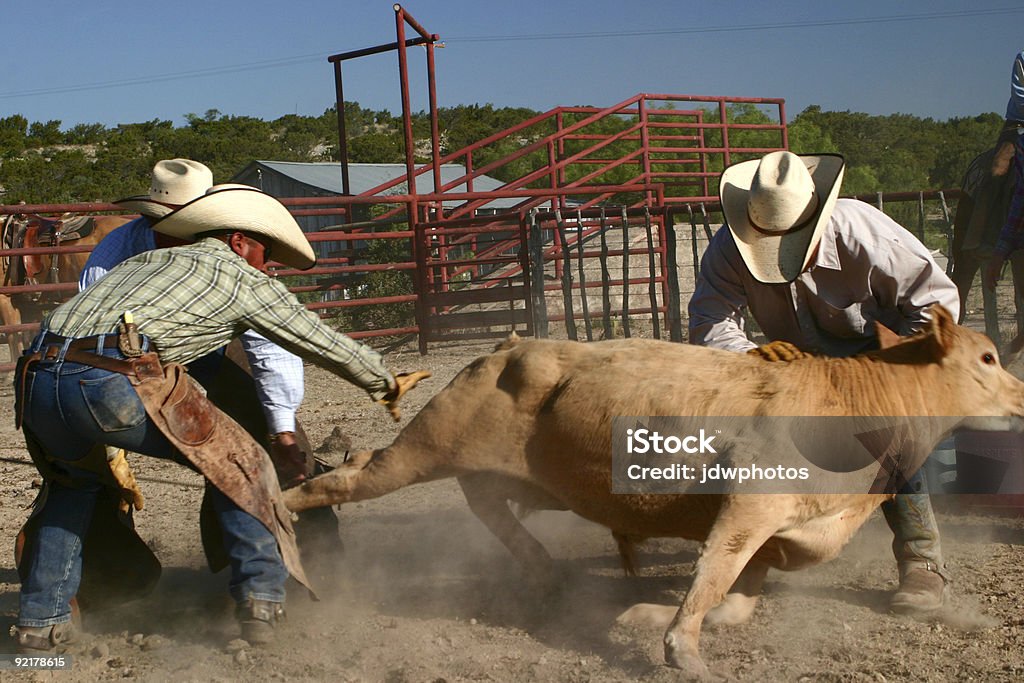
(231, 207)
(174, 182)
(777, 208)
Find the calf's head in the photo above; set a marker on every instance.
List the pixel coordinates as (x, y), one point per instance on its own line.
(961, 373)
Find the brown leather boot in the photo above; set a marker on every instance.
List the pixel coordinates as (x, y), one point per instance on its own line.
(41, 639)
(922, 590)
(258, 619)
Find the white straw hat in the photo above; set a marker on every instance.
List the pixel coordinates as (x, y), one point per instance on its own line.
(174, 182)
(777, 208)
(245, 209)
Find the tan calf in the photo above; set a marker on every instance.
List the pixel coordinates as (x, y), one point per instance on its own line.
(540, 412)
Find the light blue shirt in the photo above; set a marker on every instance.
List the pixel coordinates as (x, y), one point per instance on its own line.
(278, 374)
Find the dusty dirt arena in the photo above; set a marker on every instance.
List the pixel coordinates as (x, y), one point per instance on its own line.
(424, 594)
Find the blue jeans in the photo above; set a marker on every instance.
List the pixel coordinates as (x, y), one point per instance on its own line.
(70, 408)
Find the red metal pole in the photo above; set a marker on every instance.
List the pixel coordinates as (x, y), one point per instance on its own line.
(415, 24)
(703, 157)
(663, 254)
(435, 135)
(645, 146)
(561, 154)
(722, 116)
(420, 252)
(403, 77)
(469, 178)
(782, 122)
(339, 98)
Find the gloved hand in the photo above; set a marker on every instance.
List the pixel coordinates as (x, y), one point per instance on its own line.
(404, 381)
(778, 351)
(125, 478)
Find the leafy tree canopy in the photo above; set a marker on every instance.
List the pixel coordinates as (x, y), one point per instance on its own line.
(40, 162)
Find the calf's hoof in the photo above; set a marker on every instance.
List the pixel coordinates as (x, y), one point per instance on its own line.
(686, 660)
(647, 615)
(735, 609)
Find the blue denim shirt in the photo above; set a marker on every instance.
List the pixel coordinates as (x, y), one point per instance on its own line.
(1015, 107)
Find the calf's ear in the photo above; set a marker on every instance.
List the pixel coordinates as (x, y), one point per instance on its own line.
(942, 328)
(886, 337)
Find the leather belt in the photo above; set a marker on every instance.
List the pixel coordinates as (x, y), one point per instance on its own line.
(105, 341)
(77, 355)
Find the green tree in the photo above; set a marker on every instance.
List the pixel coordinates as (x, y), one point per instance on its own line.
(86, 134)
(13, 130)
(963, 139)
(376, 148)
(807, 137)
(43, 134)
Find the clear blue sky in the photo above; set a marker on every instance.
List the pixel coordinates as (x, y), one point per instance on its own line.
(113, 61)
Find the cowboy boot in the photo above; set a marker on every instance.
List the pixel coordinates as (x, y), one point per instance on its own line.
(258, 619)
(923, 583)
(41, 639)
(922, 589)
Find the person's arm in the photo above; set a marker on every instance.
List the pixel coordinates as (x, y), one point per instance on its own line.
(716, 308)
(1015, 105)
(280, 385)
(275, 313)
(914, 282)
(279, 380)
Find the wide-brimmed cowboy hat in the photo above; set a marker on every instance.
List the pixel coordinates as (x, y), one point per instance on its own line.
(174, 182)
(232, 207)
(777, 208)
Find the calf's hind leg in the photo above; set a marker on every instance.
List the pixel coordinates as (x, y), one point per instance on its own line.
(740, 601)
(488, 494)
(736, 608)
(367, 474)
(737, 534)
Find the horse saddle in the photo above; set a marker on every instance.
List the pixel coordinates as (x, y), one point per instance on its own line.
(52, 232)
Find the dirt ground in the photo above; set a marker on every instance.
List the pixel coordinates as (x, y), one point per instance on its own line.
(425, 594)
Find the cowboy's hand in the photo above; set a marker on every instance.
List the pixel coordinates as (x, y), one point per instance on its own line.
(404, 381)
(993, 271)
(778, 351)
(125, 478)
(289, 460)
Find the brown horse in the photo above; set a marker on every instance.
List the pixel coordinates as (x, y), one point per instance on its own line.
(980, 215)
(28, 231)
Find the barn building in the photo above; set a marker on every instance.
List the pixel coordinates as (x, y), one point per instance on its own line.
(323, 179)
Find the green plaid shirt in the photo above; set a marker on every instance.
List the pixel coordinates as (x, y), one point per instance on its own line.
(194, 299)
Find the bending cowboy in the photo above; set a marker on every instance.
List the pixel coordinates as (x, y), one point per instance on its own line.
(265, 403)
(816, 272)
(277, 373)
(118, 379)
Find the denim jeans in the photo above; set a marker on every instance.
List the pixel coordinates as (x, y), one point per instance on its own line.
(69, 408)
